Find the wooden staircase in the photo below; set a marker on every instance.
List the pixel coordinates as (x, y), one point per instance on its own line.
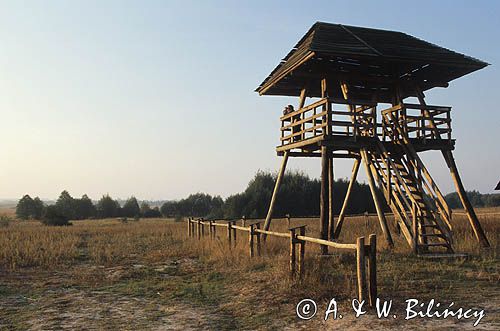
(420, 210)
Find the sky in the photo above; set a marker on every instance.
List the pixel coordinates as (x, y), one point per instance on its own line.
(156, 98)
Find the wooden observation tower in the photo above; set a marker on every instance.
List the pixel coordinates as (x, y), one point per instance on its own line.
(360, 83)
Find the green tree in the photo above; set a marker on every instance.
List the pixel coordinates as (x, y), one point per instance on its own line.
(25, 207)
(107, 207)
(131, 208)
(38, 208)
(66, 205)
(85, 208)
(169, 209)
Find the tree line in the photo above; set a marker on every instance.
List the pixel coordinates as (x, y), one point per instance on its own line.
(298, 196)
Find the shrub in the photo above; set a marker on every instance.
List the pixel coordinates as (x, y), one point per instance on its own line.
(53, 216)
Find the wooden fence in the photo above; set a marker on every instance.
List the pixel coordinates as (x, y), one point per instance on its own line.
(366, 264)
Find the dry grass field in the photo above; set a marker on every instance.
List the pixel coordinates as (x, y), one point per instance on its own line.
(148, 275)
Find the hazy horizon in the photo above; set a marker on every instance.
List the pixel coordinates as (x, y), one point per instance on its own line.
(156, 99)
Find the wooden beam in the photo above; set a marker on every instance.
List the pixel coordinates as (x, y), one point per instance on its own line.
(323, 207)
(378, 207)
(471, 215)
(267, 223)
(331, 221)
(343, 211)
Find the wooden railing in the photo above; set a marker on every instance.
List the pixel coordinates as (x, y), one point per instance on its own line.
(325, 118)
(418, 121)
(321, 118)
(366, 264)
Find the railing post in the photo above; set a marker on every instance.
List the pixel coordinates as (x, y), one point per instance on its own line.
(257, 225)
(234, 233)
(372, 269)
(229, 233)
(292, 253)
(189, 226)
(360, 266)
(198, 229)
(250, 238)
(302, 251)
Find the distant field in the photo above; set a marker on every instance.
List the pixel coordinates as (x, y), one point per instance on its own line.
(105, 274)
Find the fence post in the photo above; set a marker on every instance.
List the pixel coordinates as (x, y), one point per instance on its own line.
(189, 226)
(302, 251)
(360, 266)
(372, 269)
(257, 225)
(229, 233)
(234, 233)
(210, 229)
(292, 253)
(198, 229)
(243, 221)
(250, 238)
(287, 220)
(202, 227)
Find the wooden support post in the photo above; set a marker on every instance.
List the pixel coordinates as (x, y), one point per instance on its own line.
(331, 221)
(250, 238)
(267, 223)
(288, 220)
(243, 221)
(372, 270)
(189, 227)
(360, 267)
(292, 253)
(378, 207)
(234, 233)
(198, 229)
(471, 215)
(210, 229)
(229, 232)
(323, 207)
(343, 211)
(257, 225)
(202, 228)
(302, 251)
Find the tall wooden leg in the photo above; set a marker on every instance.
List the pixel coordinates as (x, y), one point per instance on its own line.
(267, 223)
(378, 207)
(340, 221)
(471, 215)
(331, 221)
(323, 208)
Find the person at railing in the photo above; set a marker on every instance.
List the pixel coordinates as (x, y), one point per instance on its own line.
(296, 128)
(288, 109)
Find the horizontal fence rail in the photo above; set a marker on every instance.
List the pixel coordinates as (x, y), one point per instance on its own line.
(365, 253)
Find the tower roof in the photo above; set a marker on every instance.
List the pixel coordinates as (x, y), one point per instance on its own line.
(370, 60)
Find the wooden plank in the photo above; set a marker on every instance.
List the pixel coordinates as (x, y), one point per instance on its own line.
(272, 233)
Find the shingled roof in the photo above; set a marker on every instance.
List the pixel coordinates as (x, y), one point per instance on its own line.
(369, 59)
